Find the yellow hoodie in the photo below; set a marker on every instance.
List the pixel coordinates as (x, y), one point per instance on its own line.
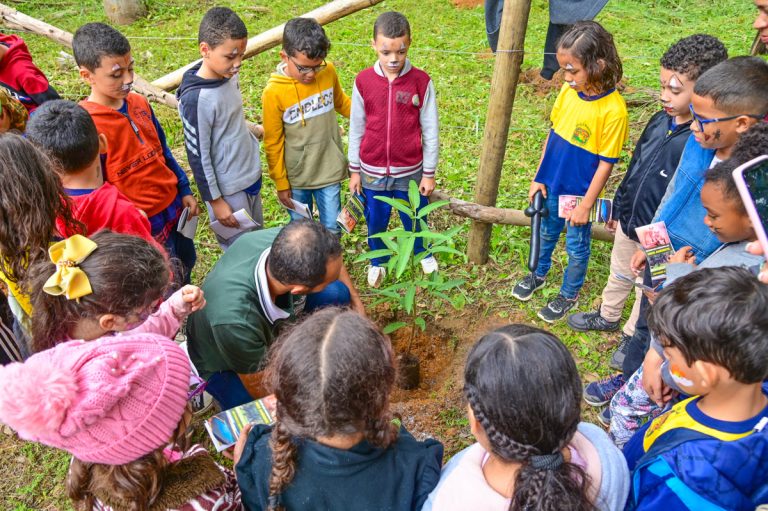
(301, 132)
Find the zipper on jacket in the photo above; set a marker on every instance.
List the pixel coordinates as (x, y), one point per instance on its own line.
(133, 127)
(389, 121)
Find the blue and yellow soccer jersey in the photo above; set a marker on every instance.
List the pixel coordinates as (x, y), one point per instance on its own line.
(585, 130)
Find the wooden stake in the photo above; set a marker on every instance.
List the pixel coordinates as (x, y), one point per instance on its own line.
(506, 70)
(124, 12)
(491, 215)
(274, 36)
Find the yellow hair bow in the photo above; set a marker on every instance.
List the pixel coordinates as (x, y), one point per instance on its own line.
(69, 280)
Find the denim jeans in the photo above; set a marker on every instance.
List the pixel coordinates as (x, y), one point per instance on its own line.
(327, 200)
(577, 245)
(377, 212)
(227, 388)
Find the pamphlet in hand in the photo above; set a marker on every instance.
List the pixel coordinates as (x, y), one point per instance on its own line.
(243, 218)
(600, 212)
(224, 428)
(352, 212)
(299, 208)
(187, 224)
(658, 248)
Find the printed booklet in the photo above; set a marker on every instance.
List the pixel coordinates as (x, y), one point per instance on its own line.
(352, 213)
(658, 248)
(600, 212)
(225, 427)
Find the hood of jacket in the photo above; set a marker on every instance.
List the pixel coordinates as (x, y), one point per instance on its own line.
(191, 81)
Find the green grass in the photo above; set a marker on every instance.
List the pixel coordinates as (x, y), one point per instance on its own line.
(447, 43)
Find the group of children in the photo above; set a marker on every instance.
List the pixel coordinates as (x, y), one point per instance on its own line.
(91, 197)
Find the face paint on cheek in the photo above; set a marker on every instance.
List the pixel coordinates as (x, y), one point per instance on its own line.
(116, 67)
(717, 134)
(126, 87)
(679, 378)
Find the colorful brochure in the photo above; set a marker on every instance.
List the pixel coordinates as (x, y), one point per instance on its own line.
(600, 212)
(224, 428)
(352, 213)
(658, 248)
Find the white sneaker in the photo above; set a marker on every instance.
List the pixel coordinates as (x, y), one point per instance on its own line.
(376, 275)
(429, 265)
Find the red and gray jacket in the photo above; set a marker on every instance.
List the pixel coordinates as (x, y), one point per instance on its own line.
(393, 127)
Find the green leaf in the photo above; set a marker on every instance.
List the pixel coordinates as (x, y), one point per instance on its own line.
(398, 204)
(384, 252)
(432, 236)
(441, 249)
(414, 197)
(410, 296)
(397, 325)
(451, 284)
(404, 255)
(431, 207)
(419, 322)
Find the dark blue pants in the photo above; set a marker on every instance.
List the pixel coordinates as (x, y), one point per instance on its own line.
(377, 215)
(638, 346)
(227, 388)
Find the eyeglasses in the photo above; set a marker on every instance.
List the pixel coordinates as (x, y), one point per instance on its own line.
(701, 121)
(305, 70)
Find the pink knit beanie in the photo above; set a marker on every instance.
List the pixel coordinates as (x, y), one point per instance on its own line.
(109, 401)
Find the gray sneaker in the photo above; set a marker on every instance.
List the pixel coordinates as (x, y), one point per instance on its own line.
(557, 308)
(524, 289)
(586, 321)
(617, 359)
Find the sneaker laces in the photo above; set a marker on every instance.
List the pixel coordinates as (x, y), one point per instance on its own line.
(559, 303)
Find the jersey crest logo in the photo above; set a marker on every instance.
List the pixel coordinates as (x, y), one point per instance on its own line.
(581, 134)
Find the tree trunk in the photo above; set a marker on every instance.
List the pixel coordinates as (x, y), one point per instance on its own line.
(506, 70)
(124, 12)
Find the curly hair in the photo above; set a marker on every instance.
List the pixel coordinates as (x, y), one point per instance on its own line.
(31, 198)
(220, 24)
(126, 273)
(593, 46)
(138, 482)
(691, 315)
(694, 54)
(332, 374)
(521, 426)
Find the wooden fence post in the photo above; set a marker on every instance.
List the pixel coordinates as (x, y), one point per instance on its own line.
(124, 12)
(506, 70)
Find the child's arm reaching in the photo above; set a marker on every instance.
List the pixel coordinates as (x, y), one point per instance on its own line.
(167, 320)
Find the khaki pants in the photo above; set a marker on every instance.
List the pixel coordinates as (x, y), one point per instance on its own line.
(617, 291)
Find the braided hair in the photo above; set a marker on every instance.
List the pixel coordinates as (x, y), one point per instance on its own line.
(332, 374)
(524, 391)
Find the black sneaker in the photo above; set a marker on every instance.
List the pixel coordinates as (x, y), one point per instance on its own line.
(617, 359)
(585, 321)
(557, 308)
(525, 288)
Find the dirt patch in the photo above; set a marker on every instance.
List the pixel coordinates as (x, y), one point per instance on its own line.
(467, 4)
(437, 408)
(540, 86)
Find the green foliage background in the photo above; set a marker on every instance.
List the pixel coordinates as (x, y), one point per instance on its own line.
(450, 44)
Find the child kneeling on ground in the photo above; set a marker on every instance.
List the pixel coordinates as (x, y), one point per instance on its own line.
(334, 443)
(532, 451)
